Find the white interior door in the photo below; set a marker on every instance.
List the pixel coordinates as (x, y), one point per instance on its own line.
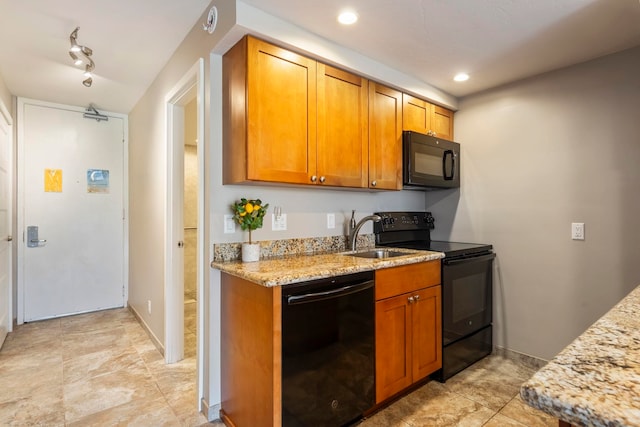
(6, 318)
(73, 191)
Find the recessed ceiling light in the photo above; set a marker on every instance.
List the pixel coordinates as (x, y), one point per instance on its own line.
(461, 77)
(348, 17)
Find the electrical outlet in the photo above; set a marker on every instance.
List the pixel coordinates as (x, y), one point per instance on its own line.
(577, 230)
(229, 224)
(331, 220)
(149, 306)
(278, 223)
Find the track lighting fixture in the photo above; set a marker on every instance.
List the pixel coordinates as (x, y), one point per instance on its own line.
(81, 55)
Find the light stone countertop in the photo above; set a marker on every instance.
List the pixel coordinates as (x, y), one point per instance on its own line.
(595, 381)
(299, 268)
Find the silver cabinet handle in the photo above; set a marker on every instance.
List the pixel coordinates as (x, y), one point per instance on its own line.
(314, 178)
(374, 183)
(410, 299)
(322, 179)
(417, 297)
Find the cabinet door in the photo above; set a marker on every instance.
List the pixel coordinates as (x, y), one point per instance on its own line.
(416, 114)
(393, 344)
(385, 137)
(427, 332)
(442, 122)
(281, 114)
(343, 138)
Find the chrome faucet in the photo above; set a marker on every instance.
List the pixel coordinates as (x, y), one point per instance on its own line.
(353, 236)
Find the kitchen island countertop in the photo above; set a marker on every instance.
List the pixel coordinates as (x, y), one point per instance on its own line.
(595, 381)
(299, 268)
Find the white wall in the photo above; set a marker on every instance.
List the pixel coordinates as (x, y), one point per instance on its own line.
(5, 95)
(538, 155)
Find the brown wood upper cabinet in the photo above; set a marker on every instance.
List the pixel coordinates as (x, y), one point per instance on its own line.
(290, 119)
(269, 128)
(421, 116)
(343, 136)
(385, 137)
(408, 326)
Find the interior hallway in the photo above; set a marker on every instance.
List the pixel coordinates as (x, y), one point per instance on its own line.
(93, 369)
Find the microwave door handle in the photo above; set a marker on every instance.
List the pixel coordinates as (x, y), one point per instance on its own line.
(448, 177)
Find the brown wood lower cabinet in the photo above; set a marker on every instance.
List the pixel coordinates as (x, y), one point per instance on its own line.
(408, 340)
(408, 326)
(251, 353)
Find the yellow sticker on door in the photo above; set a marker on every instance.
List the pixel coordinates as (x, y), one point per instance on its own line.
(53, 180)
(97, 181)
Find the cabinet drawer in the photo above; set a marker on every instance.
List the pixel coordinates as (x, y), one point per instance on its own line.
(406, 278)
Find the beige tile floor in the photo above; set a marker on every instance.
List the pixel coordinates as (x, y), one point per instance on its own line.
(97, 369)
(101, 369)
(485, 394)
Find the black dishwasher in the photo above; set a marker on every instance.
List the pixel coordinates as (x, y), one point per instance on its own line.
(328, 350)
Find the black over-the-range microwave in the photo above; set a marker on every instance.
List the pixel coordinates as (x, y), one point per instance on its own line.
(429, 162)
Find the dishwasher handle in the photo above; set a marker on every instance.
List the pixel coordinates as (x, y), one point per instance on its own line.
(333, 293)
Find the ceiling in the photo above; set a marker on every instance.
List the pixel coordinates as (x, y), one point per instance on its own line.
(494, 41)
(131, 41)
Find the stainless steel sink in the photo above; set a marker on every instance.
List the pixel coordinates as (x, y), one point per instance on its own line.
(377, 253)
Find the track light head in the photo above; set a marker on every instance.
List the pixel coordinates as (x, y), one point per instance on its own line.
(81, 55)
(76, 60)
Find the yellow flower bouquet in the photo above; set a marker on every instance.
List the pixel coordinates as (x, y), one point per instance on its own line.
(249, 214)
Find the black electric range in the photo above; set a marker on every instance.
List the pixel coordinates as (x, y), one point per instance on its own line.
(412, 230)
(467, 286)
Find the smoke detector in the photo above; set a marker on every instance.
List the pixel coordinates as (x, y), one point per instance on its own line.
(212, 19)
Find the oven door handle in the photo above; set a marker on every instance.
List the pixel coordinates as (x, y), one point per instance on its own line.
(471, 259)
(334, 293)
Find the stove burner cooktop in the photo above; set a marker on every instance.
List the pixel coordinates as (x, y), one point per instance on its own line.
(450, 249)
(411, 230)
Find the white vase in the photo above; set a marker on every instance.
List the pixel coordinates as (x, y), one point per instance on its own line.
(250, 252)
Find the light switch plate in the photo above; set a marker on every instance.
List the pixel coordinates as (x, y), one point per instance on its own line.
(331, 220)
(229, 224)
(278, 223)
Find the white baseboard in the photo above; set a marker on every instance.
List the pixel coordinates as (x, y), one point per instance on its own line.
(156, 342)
(212, 413)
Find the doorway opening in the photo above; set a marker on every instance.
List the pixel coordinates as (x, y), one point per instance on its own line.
(184, 234)
(190, 219)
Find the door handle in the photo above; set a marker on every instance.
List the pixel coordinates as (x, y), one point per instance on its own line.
(33, 241)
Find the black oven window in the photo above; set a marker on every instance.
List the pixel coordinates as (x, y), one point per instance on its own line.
(470, 298)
